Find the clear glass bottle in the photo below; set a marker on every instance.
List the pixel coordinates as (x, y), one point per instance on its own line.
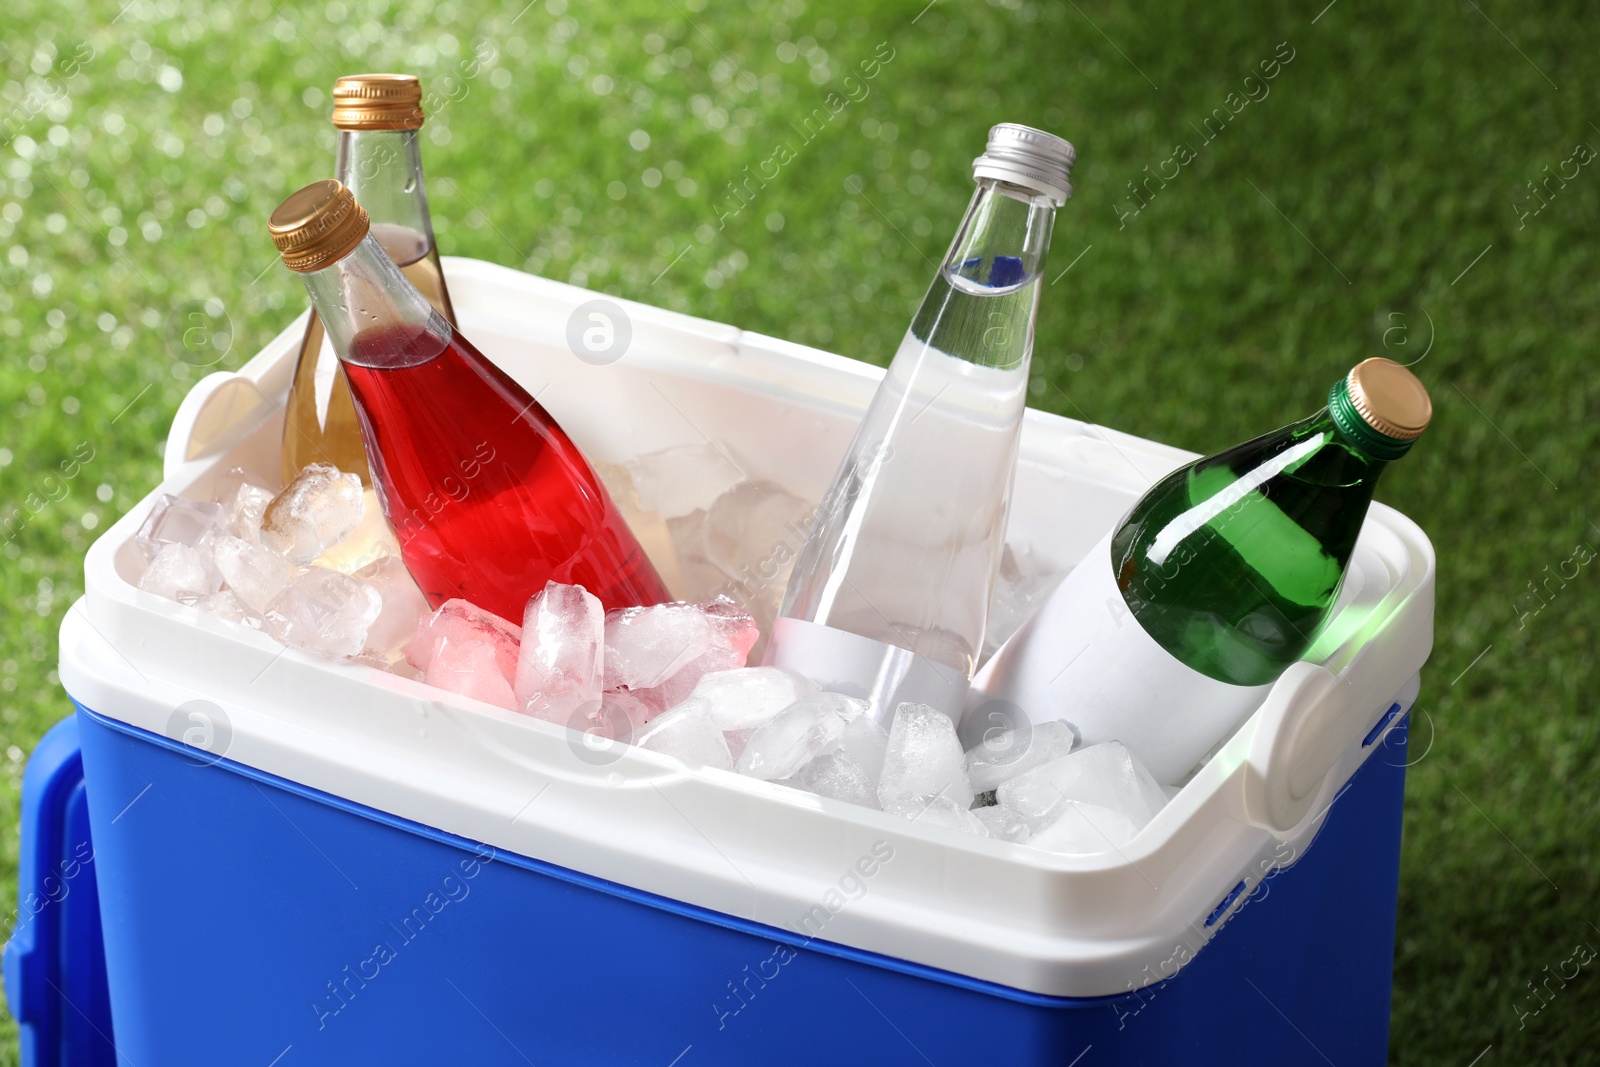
(380, 161)
(1174, 626)
(890, 594)
(487, 495)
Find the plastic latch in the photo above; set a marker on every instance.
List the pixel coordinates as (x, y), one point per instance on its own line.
(1227, 902)
(1383, 721)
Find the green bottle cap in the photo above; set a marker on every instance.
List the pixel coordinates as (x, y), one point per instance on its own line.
(1380, 407)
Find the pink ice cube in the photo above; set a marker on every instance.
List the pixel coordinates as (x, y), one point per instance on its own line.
(659, 653)
(563, 639)
(467, 650)
(645, 646)
(733, 632)
(735, 628)
(472, 668)
(403, 604)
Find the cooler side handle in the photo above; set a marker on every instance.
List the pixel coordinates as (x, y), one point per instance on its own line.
(55, 953)
(217, 413)
(1309, 720)
(224, 406)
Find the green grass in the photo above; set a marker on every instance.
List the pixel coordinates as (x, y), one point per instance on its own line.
(1365, 207)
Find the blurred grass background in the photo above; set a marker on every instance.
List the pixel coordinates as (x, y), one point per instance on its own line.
(1378, 200)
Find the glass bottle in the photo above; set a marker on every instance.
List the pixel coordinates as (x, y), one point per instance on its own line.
(487, 495)
(379, 160)
(1175, 625)
(890, 593)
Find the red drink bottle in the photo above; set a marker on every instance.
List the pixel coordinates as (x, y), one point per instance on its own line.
(488, 496)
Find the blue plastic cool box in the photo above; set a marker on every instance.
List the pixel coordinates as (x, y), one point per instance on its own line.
(301, 862)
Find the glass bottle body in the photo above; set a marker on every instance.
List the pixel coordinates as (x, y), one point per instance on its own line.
(1233, 563)
(907, 543)
(383, 169)
(487, 495)
(1172, 629)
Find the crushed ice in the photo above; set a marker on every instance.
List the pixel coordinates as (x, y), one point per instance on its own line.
(315, 567)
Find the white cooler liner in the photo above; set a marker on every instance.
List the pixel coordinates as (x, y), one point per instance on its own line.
(987, 909)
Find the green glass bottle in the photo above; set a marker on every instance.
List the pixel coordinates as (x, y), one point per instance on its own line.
(1172, 628)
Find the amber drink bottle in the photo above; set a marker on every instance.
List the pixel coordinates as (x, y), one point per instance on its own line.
(378, 117)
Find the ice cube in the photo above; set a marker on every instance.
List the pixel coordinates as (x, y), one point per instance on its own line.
(180, 572)
(621, 716)
(370, 541)
(743, 548)
(1004, 823)
(224, 605)
(471, 663)
(242, 515)
(755, 530)
(647, 525)
(602, 723)
(619, 485)
(1080, 828)
(733, 632)
(797, 734)
(1020, 587)
(745, 698)
(660, 653)
(226, 487)
(1005, 754)
(849, 770)
(253, 572)
(838, 774)
(469, 651)
(753, 535)
(313, 513)
(653, 535)
(323, 611)
(563, 638)
(676, 481)
(701, 578)
(463, 622)
(244, 499)
(403, 603)
(688, 733)
(923, 760)
(938, 811)
(645, 646)
(1105, 776)
(176, 521)
(732, 627)
(865, 741)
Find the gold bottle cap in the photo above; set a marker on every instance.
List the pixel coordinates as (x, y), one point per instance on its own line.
(377, 102)
(1389, 398)
(317, 225)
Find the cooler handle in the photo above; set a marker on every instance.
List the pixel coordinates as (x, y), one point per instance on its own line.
(1309, 720)
(55, 971)
(217, 413)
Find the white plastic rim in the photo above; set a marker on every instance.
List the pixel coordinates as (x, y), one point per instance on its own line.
(990, 910)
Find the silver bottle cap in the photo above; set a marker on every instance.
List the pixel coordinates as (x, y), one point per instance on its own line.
(1030, 158)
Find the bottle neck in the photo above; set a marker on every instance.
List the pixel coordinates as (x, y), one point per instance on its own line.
(365, 295)
(984, 303)
(1002, 219)
(1356, 431)
(383, 168)
(1341, 461)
